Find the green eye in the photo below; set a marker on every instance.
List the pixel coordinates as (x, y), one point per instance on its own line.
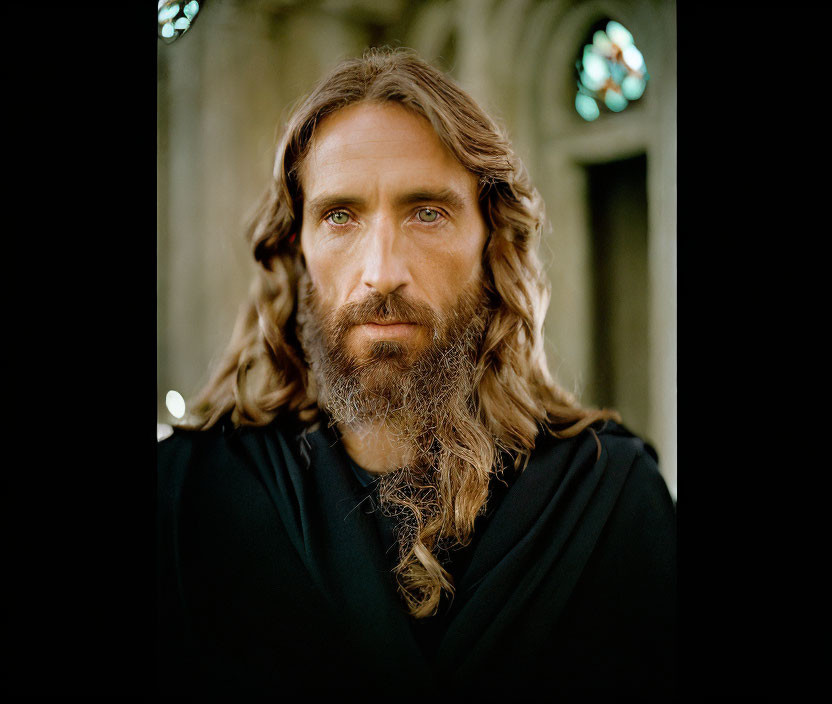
(427, 215)
(339, 218)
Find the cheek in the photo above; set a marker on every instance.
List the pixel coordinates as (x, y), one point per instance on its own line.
(462, 264)
(444, 277)
(325, 287)
(320, 268)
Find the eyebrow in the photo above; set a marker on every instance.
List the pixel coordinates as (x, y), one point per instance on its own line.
(325, 202)
(446, 196)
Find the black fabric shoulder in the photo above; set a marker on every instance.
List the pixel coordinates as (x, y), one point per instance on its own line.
(272, 573)
(610, 428)
(174, 455)
(557, 542)
(637, 611)
(181, 446)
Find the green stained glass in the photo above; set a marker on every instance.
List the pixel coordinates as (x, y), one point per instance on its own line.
(611, 72)
(590, 82)
(633, 58)
(587, 107)
(176, 18)
(168, 12)
(618, 73)
(601, 41)
(615, 101)
(596, 68)
(632, 87)
(618, 34)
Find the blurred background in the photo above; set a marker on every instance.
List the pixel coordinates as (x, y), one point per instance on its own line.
(587, 91)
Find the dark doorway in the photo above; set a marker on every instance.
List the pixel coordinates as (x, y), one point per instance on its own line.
(617, 194)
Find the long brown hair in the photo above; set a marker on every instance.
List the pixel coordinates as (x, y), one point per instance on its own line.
(264, 373)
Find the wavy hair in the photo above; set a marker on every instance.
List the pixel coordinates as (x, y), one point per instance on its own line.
(264, 372)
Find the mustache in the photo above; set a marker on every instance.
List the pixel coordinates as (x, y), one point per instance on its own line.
(382, 308)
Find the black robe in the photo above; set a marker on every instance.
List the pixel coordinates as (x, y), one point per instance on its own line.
(274, 573)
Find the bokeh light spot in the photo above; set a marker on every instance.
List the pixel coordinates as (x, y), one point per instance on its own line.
(175, 403)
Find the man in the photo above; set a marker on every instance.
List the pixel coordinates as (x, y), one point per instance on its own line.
(382, 489)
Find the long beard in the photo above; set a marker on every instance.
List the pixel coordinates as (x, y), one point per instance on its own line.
(410, 390)
(425, 397)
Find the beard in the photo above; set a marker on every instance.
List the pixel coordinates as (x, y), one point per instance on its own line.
(411, 387)
(425, 396)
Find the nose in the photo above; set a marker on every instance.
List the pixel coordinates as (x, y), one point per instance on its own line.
(384, 259)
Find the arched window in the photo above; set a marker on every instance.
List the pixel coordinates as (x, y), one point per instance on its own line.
(611, 71)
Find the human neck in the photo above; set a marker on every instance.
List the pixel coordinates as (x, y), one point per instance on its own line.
(374, 448)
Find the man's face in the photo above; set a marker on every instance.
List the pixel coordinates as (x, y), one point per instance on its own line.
(387, 209)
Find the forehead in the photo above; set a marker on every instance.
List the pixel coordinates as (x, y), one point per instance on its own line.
(380, 144)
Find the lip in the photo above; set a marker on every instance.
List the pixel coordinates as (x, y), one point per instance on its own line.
(388, 329)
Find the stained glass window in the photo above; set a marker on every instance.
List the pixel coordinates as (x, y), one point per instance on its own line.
(611, 72)
(175, 18)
